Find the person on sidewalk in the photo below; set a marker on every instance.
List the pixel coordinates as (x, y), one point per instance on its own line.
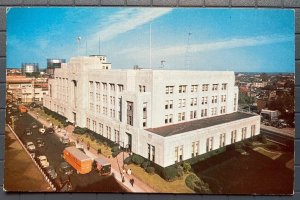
(123, 178)
(132, 182)
(129, 171)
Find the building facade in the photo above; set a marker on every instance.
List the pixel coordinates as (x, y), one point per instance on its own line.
(27, 90)
(164, 115)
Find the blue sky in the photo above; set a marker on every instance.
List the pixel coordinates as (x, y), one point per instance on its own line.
(250, 40)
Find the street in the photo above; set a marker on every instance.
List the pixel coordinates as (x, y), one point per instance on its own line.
(53, 150)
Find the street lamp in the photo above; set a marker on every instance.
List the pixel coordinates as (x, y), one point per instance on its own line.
(123, 151)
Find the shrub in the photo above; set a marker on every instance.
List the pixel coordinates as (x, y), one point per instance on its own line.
(115, 149)
(190, 180)
(150, 170)
(127, 160)
(99, 151)
(186, 167)
(114, 154)
(137, 159)
(196, 184)
(145, 164)
(180, 171)
(263, 139)
(170, 173)
(79, 130)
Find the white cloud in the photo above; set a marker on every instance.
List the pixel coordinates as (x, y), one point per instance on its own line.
(127, 20)
(223, 44)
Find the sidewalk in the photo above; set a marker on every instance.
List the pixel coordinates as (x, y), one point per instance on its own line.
(283, 131)
(116, 163)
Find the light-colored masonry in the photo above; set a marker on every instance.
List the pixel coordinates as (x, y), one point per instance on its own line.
(164, 115)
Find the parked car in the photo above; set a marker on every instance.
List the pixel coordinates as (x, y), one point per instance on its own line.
(40, 142)
(65, 168)
(50, 130)
(30, 146)
(43, 161)
(51, 172)
(34, 125)
(64, 139)
(63, 183)
(42, 130)
(28, 131)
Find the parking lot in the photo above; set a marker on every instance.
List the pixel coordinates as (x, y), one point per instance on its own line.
(53, 150)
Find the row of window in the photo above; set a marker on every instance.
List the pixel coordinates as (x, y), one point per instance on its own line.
(112, 86)
(193, 102)
(193, 114)
(99, 129)
(195, 88)
(195, 150)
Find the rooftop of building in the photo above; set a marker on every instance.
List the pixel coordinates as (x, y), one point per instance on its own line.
(175, 129)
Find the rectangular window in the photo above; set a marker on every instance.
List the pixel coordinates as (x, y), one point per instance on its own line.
(178, 154)
(193, 101)
(117, 136)
(214, 111)
(193, 114)
(182, 88)
(252, 130)
(235, 102)
(233, 136)
(222, 140)
(130, 113)
(215, 87)
(205, 87)
(209, 144)
(121, 87)
(223, 98)
(104, 85)
(169, 89)
(204, 100)
(181, 116)
(195, 148)
(224, 86)
(101, 128)
(170, 118)
(223, 110)
(214, 99)
(194, 88)
(244, 133)
(204, 113)
(112, 87)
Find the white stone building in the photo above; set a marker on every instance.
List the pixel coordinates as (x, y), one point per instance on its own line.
(164, 115)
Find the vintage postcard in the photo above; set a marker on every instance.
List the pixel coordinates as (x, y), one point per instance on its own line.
(150, 100)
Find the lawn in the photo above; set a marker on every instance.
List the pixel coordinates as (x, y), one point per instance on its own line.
(233, 173)
(158, 183)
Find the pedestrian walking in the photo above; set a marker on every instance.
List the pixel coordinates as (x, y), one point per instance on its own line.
(129, 171)
(132, 182)
(123, 178)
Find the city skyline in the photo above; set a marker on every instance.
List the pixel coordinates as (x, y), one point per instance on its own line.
(220, 39)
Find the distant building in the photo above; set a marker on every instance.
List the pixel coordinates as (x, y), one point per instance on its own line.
(26, 90)
(166, 116)
(29, 68)
(52, 64)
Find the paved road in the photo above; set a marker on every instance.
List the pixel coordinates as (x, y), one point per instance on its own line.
(276, 137)
(53, 150)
